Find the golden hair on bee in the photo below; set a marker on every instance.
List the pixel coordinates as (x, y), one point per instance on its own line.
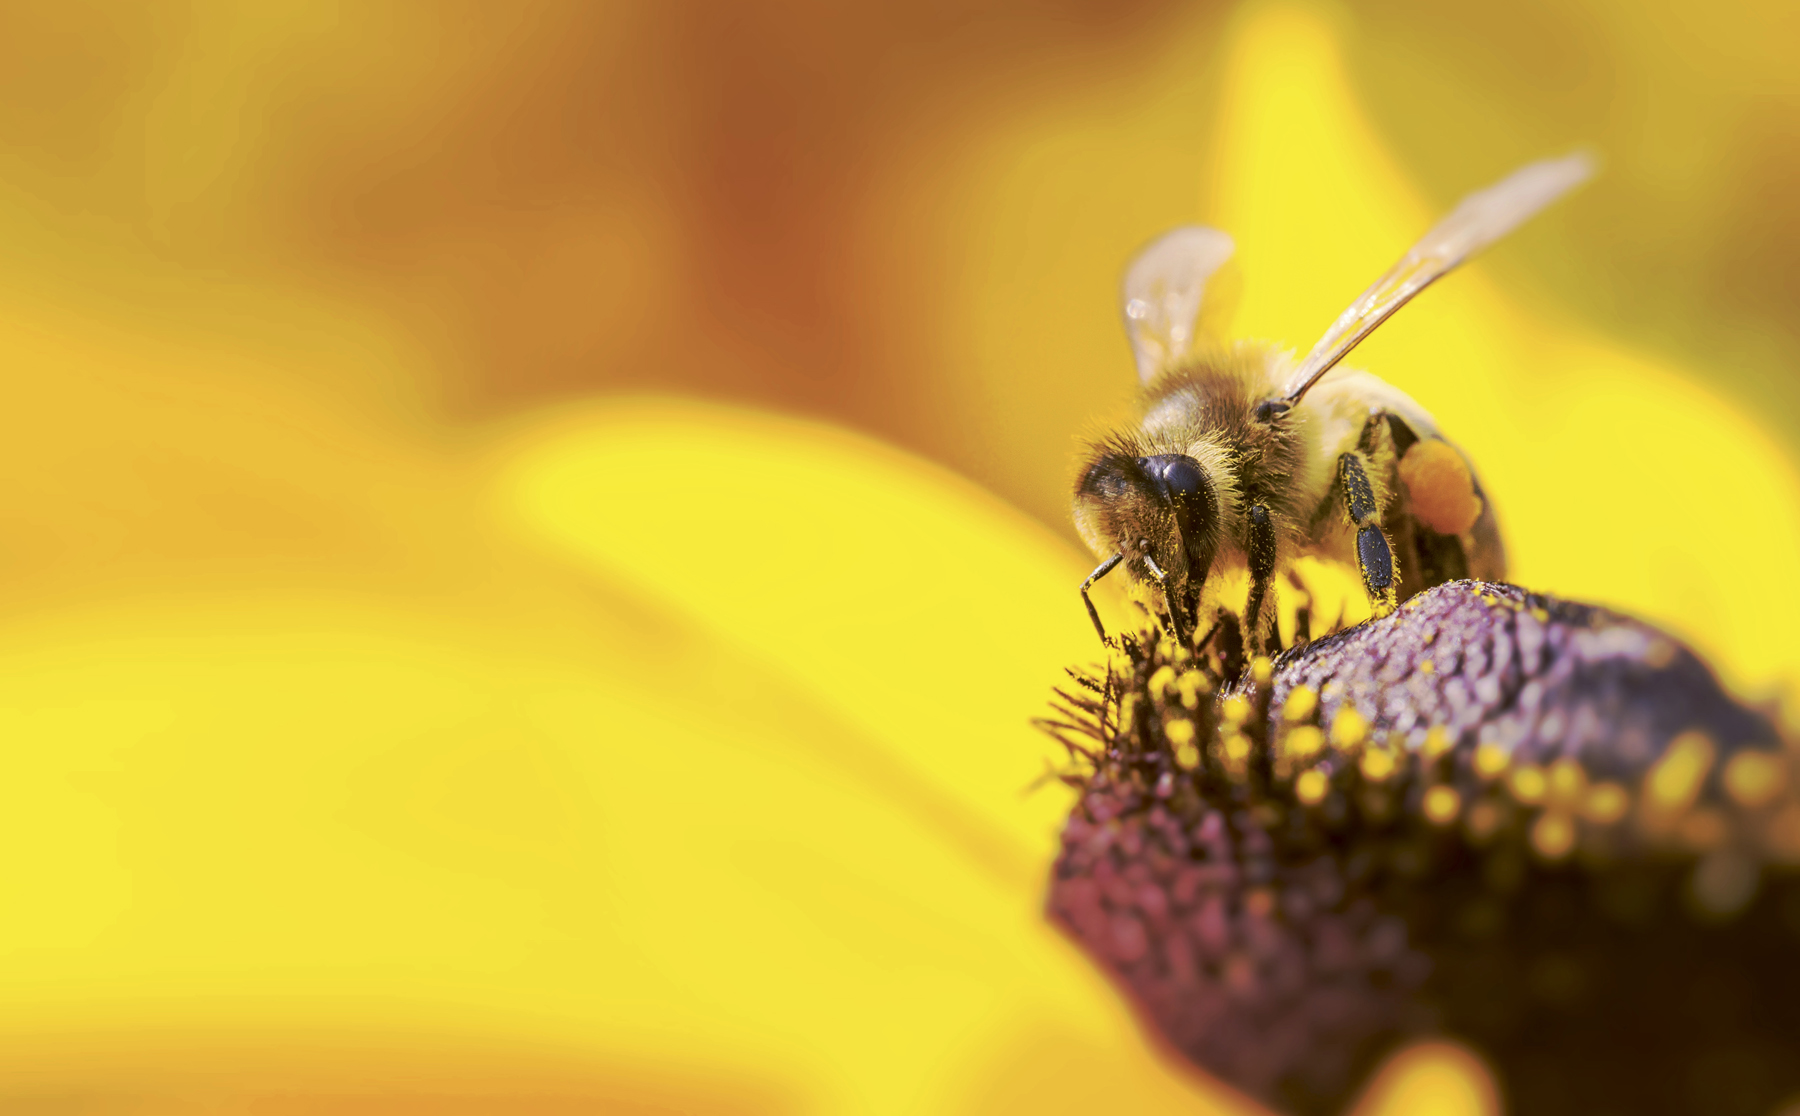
(1244, 459)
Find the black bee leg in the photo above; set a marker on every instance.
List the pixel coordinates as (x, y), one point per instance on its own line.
(1262, 573)
(1373, 554)
(1104, 568)
(1302, 609)
(1174, 606)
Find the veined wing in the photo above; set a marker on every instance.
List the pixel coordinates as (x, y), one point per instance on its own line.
(1162, 292)
(1482, 218)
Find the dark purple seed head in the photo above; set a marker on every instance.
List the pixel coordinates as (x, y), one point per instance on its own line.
(1534, 826)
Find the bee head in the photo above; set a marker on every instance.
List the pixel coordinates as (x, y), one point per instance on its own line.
(1161, 507)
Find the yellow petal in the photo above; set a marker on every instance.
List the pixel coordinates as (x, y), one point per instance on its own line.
(929, 615)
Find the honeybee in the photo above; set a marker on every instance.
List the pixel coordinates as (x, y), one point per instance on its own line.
(1245, 460)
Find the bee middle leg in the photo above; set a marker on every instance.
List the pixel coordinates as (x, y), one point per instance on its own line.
(1374, 557)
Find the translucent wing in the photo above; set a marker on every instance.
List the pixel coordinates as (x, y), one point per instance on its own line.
(1162, 292)
(1482, 218)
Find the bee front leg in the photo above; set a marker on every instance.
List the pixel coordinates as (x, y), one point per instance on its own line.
(1374, 557)
(1261, 553)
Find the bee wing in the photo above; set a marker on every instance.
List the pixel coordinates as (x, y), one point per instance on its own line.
(1482, 218)
(1162, 292)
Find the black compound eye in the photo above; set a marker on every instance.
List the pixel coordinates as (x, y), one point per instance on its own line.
(1111, 477)
(1174, 473)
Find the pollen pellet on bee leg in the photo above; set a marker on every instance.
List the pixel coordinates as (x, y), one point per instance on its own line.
(1440, 486)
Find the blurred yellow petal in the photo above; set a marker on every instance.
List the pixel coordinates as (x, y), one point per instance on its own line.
(928, 614)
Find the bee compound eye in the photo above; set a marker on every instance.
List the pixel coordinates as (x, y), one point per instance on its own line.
(1182, 474)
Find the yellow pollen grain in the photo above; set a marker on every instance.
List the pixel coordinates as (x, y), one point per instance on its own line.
(1568, 782)
(1348, 728)
(1160, 681)
(1540, 616)
(1553, 835)
(1527, 783)
(1426, 666)
(1192, 685)
(1488, 599)
(1261, 670)
(1377, 764)
(1753, 779)
(1235, 710)
(1437, 742)
(1237, 747)
(1490, 760)
(1311, 786)
(1606, 803)
(1441, 805)
(1180, 731)
(1300, 703)
(1674, 782)
(1187, 756)
(1303, 741)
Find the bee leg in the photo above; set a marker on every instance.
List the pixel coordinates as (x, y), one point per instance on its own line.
(1374, 557)
(1261, 553)
(1104, 568)
(1175, 611)
(1302, 609)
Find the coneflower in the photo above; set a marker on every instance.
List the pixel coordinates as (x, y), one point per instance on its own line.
(1534, 826)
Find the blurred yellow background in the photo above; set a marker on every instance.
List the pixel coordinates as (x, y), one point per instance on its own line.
(529, 534)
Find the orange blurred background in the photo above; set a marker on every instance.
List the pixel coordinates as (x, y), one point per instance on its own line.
(279, 278)
(785, 204)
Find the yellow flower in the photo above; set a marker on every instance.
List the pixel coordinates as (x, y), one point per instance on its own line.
(647, 752)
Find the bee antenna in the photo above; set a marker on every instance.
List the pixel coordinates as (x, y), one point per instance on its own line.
(1101, 571)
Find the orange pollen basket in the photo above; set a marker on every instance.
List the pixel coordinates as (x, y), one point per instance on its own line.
(1442, 490)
